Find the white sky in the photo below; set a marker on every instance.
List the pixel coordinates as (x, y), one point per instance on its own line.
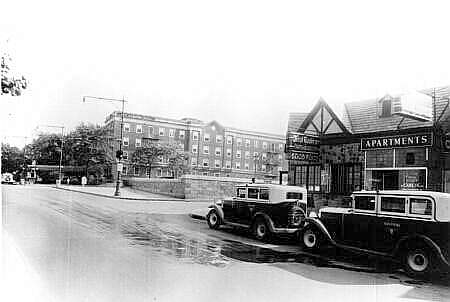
(246, 64)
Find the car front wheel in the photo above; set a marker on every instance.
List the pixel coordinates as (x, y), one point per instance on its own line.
(311, 239)
(417, 262)
(213, 219)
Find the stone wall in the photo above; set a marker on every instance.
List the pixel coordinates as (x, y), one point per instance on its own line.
(188, 186)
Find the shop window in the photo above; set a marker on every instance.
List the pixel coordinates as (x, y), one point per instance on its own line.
(366, 203)
(393, 204)
(346, 178)
(419, 206)
(410, 158)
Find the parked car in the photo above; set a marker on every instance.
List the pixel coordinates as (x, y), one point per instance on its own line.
(266, 209)
(411, 227)
(8, 178)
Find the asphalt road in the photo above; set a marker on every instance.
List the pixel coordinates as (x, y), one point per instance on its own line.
(88, 248)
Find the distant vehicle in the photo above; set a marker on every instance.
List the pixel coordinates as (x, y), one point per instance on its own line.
(266, 209)
(411, 227)
(7, 178)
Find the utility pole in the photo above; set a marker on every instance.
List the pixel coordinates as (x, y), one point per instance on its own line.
(120, 152)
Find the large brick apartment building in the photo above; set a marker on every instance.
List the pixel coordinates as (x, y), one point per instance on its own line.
(211, 148)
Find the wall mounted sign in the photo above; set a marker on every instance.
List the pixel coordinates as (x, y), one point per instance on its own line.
(297, 141)
(303, 156)
(397, 141)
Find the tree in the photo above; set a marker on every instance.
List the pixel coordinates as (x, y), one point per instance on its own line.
(9, 84)
(13, 160)
(149, 154)
(45, 149)
(177, 158)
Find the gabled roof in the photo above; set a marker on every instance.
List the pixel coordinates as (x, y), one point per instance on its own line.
(323, 120)
(364, 117)
(295, 121)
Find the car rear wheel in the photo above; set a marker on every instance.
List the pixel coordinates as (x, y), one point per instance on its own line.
(311, 239)
(260, 230)
(417, 262)
(213, 219)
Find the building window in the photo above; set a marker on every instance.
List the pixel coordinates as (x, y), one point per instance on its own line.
(247, 154)
(264, 145)
(195, 136)
(410, 158)
(150, 131)
(138, 142)
(219, 139)
(160, 158)
(255, 144)
(194, 149)
(126, 141)
(138, 128)
(229, 140)
(247, 143)
(308, 176)
(280, 156)
(255, 155)
(126, 127)
(346, 178)
(238, 165)
(205, 173)
(218, 151)
(206, 137)
(171, 132)
(386, 107)
(125, 155)
(217, 163)
(228, 152)
(247, 166)
(217, 174)
(158, 172)
(205, 162)
(239, 142)
(193, 161)
(238, 154)
(136, 170)
(228, 164)
(280, 147)
(161, 131)
(124, 170)
(206, 149)
(181, 134)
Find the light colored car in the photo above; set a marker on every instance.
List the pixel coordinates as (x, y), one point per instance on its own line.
(411, 227)
(266, 209)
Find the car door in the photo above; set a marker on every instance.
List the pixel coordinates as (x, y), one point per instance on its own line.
(239, 205)
(392, 222)
(358, 224)
(229, 204)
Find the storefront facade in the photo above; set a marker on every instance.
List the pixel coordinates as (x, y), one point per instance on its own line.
(369, 148)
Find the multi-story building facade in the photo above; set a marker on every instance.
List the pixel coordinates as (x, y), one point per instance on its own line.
(211, 149)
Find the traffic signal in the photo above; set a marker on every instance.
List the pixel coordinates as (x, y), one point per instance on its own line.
(119, 154)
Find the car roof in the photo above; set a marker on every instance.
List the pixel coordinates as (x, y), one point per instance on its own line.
(274, 186)
(407, 192)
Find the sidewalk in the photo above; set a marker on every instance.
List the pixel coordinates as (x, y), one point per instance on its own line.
(126, 193)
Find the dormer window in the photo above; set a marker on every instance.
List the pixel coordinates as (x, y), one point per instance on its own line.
(386, 108)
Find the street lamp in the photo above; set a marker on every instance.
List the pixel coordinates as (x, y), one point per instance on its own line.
(61, 153)
(119, 157)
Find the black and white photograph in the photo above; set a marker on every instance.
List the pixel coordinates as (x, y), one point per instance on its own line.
(225, 150)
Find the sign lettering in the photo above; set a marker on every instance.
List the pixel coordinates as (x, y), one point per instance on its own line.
(413, 140)
(297, 141)
(304, 156)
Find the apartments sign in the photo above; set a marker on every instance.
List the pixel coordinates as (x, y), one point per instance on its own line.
(398, 141)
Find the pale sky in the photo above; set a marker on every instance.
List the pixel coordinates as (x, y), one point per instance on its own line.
(246, 64)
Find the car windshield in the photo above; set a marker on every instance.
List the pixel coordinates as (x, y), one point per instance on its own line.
(294, 195)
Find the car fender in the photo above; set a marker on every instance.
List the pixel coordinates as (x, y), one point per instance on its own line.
(322, 228)
(266, 217)
(218, 209)
(415, 238)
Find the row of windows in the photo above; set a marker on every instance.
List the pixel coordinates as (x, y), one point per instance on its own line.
(218, 152)
(237, 165)
(206, 138)
(417, 206)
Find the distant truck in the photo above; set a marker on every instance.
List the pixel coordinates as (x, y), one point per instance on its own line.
(7, 178)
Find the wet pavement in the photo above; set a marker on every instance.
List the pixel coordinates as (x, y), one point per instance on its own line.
(149, 247)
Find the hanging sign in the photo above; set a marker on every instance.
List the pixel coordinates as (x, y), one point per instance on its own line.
(297, 141)
(303, 156)
(398, 141)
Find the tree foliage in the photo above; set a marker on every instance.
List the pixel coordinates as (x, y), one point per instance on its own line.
(9, 84)
(12, 159)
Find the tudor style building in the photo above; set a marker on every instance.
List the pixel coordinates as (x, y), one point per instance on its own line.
(376, 144)
(211, 149)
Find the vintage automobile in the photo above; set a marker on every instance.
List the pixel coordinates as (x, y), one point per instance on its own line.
(411, 227)
(265, 209)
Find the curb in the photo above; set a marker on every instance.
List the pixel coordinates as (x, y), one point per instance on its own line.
(133, 198)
